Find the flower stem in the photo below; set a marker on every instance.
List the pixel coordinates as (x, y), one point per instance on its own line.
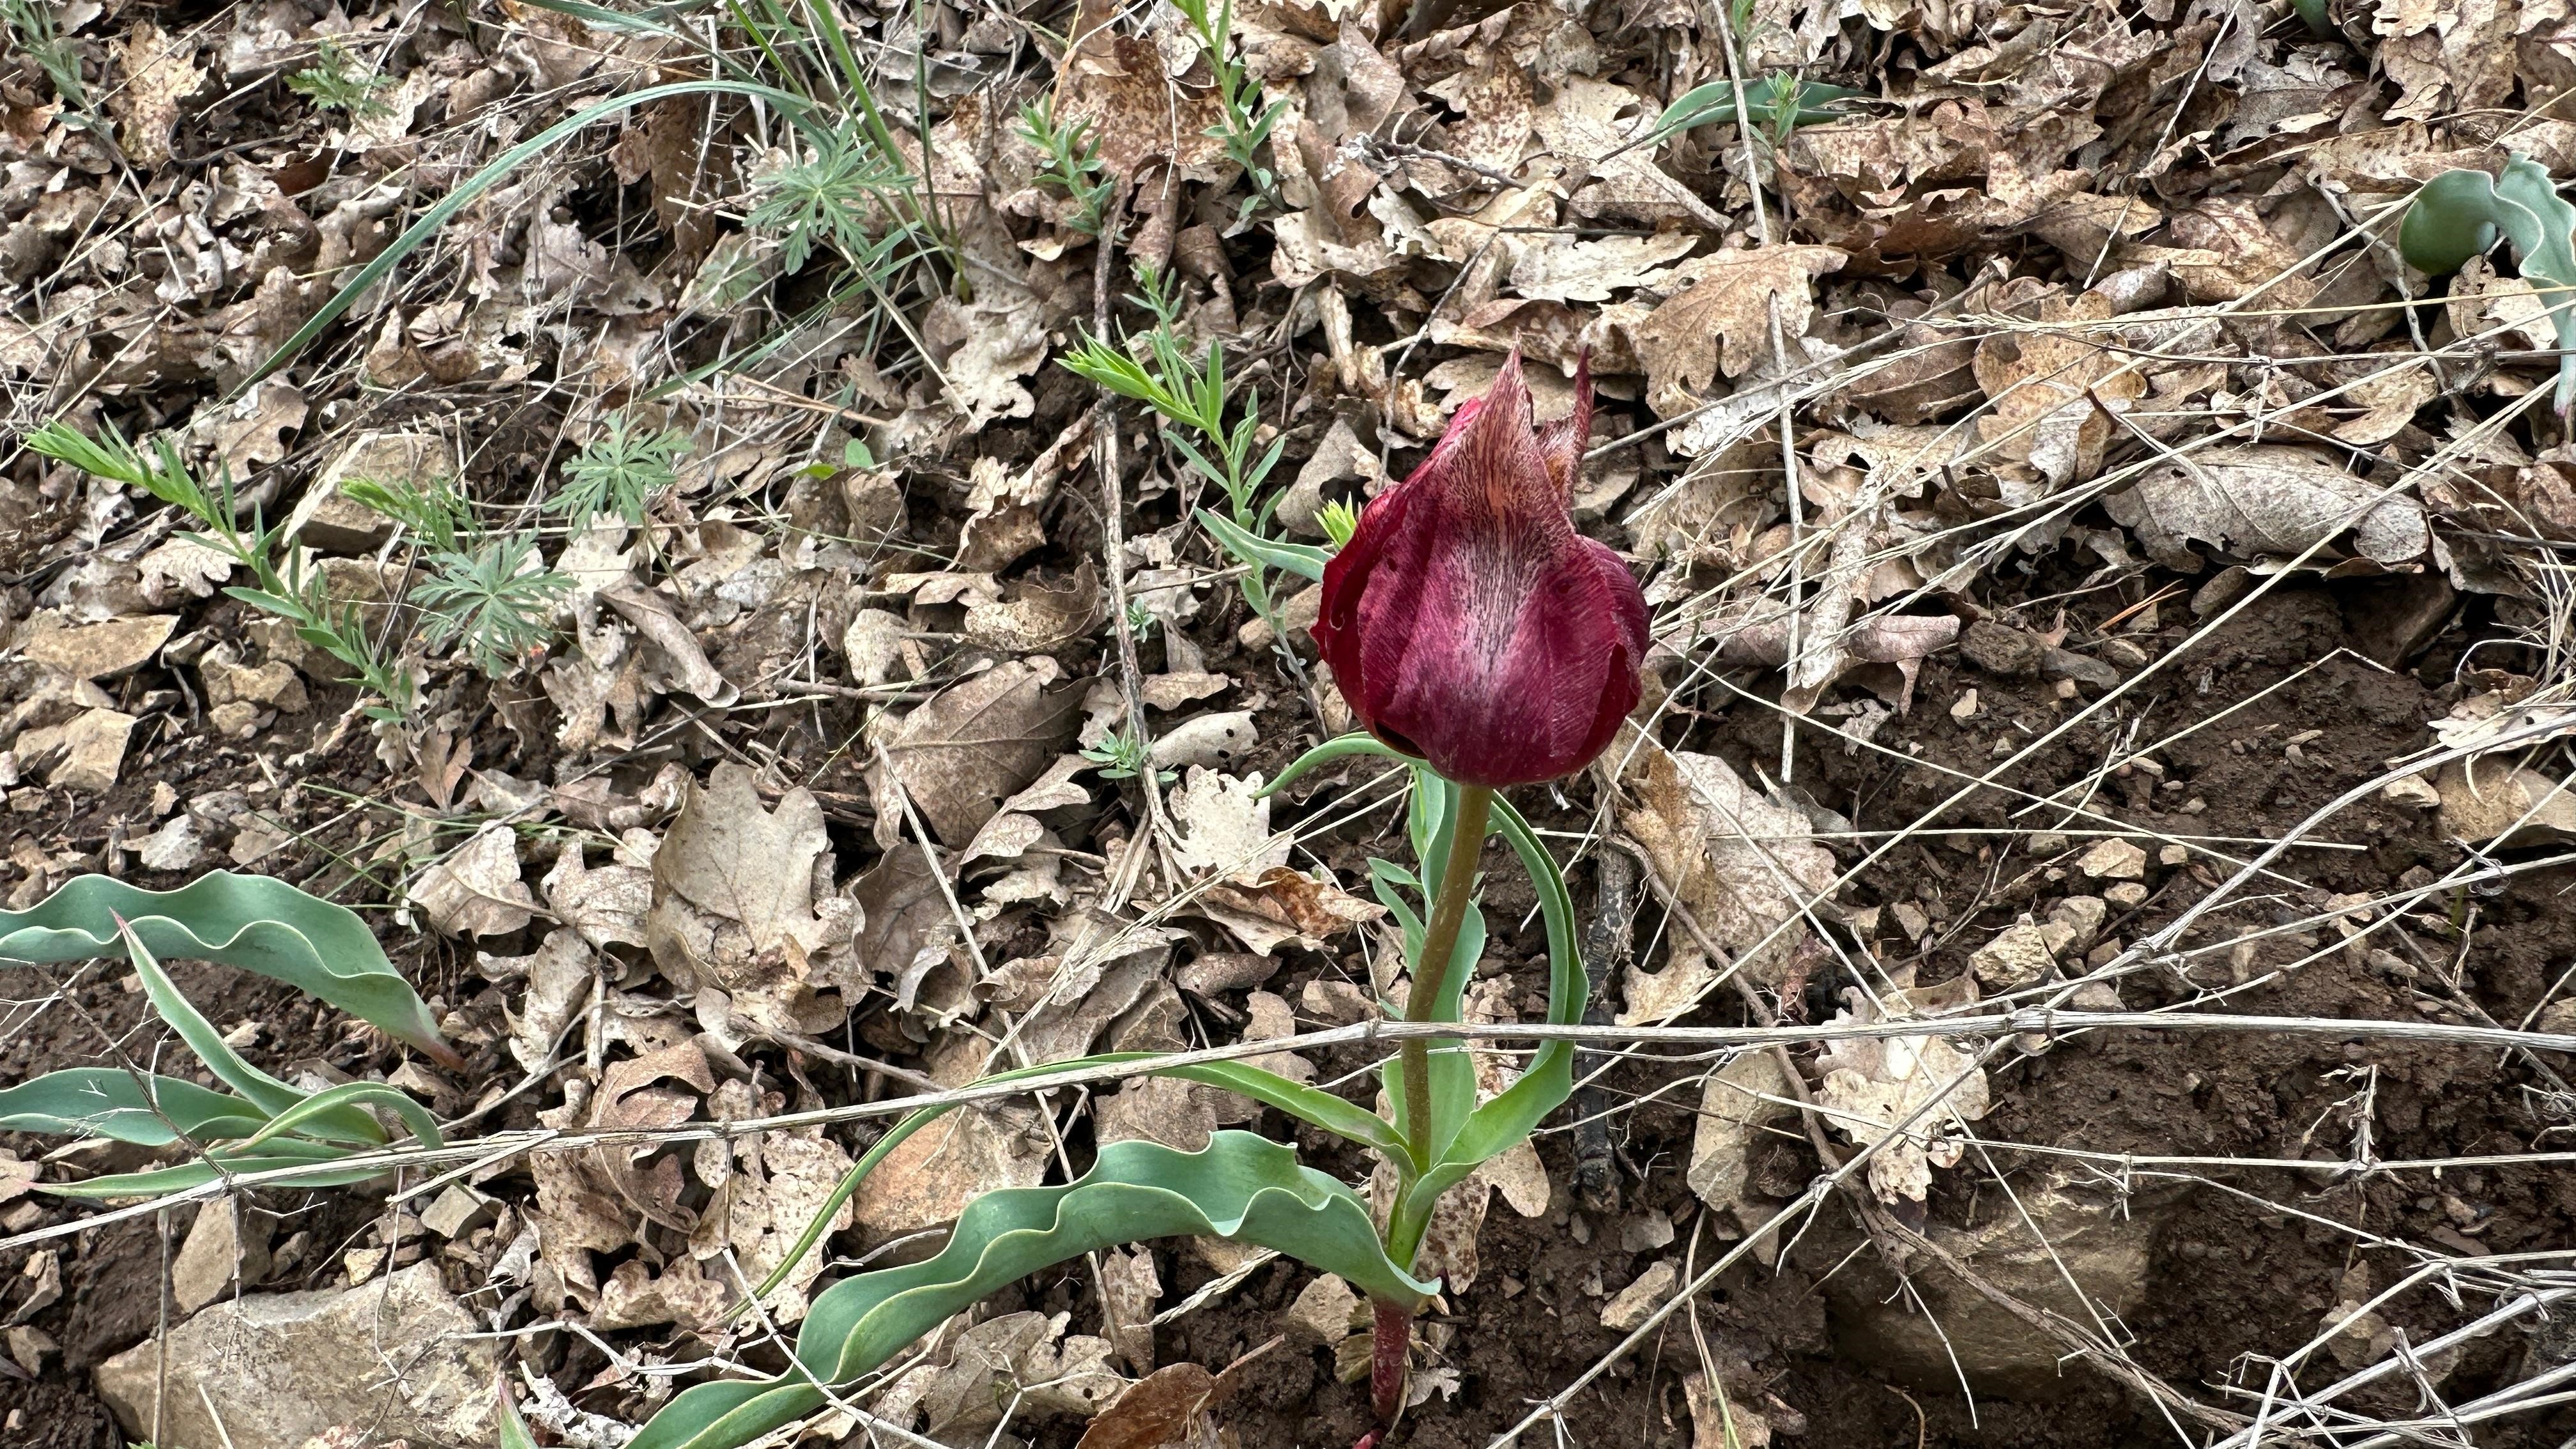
(1431, 973)
(1390, 1344)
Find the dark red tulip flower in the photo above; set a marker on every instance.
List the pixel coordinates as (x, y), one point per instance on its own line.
(1467, 622)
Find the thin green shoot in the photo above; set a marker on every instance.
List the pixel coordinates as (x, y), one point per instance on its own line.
(1073, 163)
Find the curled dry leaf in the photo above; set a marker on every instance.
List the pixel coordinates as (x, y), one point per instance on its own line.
(2268, 501)
(2048, 384)
(558, 979)
(1720, 320)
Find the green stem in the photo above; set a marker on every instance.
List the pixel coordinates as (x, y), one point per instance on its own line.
(1431, 973)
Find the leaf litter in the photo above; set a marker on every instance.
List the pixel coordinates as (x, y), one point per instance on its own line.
(720, 676)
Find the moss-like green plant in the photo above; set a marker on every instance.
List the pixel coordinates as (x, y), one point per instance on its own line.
(2460, 214)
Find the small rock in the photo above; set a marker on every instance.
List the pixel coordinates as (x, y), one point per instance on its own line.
(104, 649)
(2047, 842)
(234, 720)
(2173, 855)
(1646, 1234)
(273, 684)
(1911, 922)
(228, 1241)
(88, 752)
(1965, 706)
(456, 1212)
(2001, 650)
(1321, 1314)
(2128, 895)
(1302, 609)
(2068, 667)
(2412, 790)
(30, 1347)
(2113, 859)
(2096, 996)
(2083, 915)
(1256, 635)
(179, 845)
(331, 521)
(2226, 587)
(279, 1368)
(1638, 1301)
(2017, 957)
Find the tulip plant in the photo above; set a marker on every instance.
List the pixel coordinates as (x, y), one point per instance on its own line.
(1484, 644)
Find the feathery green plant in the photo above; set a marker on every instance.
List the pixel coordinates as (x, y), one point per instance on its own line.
(338, 81)
(280, 584)
(494, 601)
(621, 471)
(1073, 163)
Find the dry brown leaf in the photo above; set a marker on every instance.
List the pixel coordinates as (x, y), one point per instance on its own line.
(773, 1187)
(1717, 318)
(160, 72)
(476, 890)
(1742, 865)
(1589, 118)
(961, 752)
(1872, 1083)
(2267, 501)
(2045, 383)
(607, 905)
(1167, 1410)
(559, 976)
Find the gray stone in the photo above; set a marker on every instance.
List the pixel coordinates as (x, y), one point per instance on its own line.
(2082, 916)
(2082, 668)
(327, 519)
(101, 650)
(228, 1242)
(2001, 650)
(2106, 1247)
(280, 1368)
(2018, 956)
(1637, 1302)
(2113, 859)
(457, 1211)
(1322, 1313)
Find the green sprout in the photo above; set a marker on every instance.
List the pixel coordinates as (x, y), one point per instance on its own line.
(335, 82)
(1073, 163)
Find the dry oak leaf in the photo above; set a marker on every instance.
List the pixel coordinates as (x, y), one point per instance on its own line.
(1871, 1084)
(476, 890)
(1720, 319)
(727, 855)
(2268, 500)
(160, 72)
(2048, 384)
(1745, 867)
(1591, 119)
(964, 750)
(1118, 84)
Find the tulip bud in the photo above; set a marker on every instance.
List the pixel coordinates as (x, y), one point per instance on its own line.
(1467, 622)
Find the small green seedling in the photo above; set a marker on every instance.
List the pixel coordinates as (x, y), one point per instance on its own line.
(338, 81)
(1073, 163)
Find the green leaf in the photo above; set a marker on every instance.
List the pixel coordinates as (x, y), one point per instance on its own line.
(514, 1429)
(2459, 214)
(112, 1102)
(256, 923)
(1811, 101)
(216, 1165)
(1241, 1187)
(263, 1091)
(1302, 559)
(1340, 747)
(484, 180)
(348, 1097)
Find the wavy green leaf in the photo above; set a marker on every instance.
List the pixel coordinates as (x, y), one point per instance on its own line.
(256, 923)
(1241, 1186)
(348, 1098)
(2459, 214)
(1803, 102)
(111, 1102)
(265, 1093)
